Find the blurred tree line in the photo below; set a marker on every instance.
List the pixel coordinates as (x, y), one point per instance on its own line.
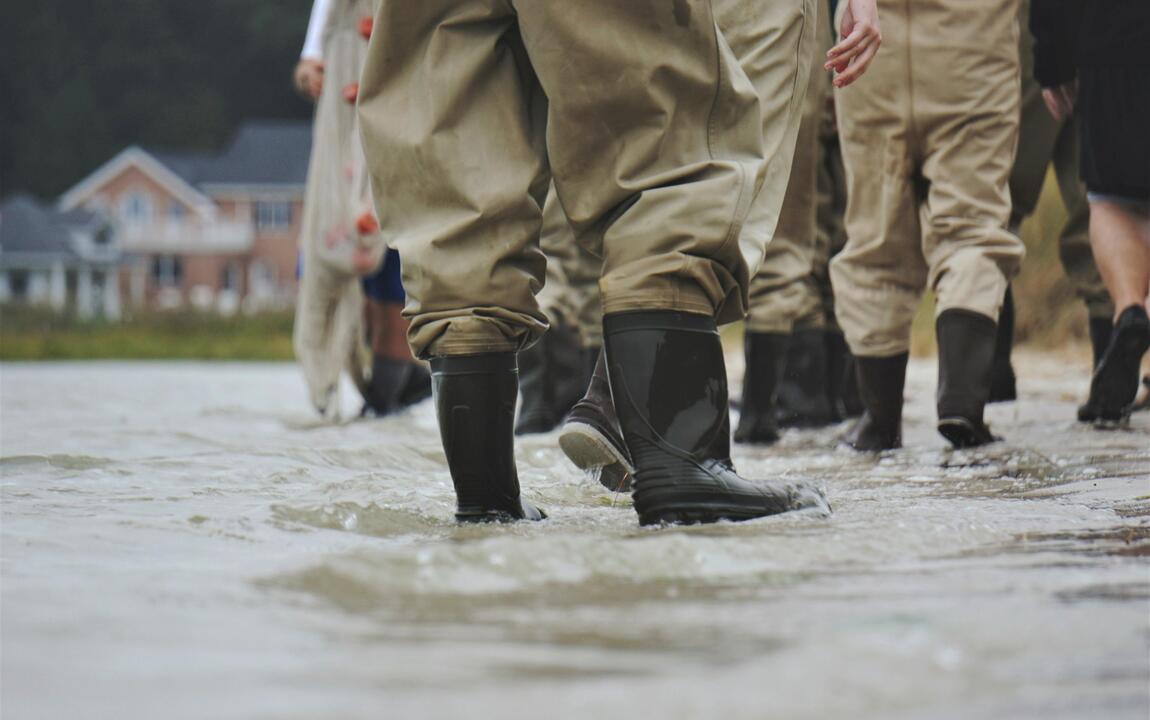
(82, 79)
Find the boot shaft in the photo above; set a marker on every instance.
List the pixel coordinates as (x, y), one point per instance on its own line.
(881, 382)
(966, 348)
(669, 382)
(766, 355)
(475, 402)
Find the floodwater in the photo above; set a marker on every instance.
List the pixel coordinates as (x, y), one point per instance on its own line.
(185, 541)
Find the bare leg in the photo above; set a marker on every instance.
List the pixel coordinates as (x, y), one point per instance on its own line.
(387, 329)
(1120, 239)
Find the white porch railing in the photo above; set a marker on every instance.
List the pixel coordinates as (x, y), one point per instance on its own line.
(186, 237)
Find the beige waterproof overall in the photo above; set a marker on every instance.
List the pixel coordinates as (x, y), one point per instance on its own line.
(653, 134)
(928, 138)
(327, 336)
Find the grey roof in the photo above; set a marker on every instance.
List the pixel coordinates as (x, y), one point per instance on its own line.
(262, 152)
(26, 226)
(81, 217)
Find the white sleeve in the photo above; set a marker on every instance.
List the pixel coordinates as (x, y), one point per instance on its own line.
(313, 43)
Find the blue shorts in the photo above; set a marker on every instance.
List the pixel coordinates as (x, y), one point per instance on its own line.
(385, 285)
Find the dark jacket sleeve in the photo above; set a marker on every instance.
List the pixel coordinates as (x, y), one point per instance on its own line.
(1055, 24)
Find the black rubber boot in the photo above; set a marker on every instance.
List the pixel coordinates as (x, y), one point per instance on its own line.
(389, 377)
(1100, 331)
(551, 380)
(842, 386)
(966, 342)
(1003, 384)
(802, 400)
(766, 355)
(591, 437)
(1115, 381)
(880, 382)
(475, 401)
(669, 385)
(418, 385)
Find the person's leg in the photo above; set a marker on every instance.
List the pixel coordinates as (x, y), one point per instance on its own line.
(669, 198)
(879, 276)
(1038, 133)
(842, 385)
(786, 307)
(767, 48)
(1114, 112)
(397, 379)
(776, 46)
(1120, 237)
(783, 290)
(969, 127)
(472, 133)
(553, 372)
(591, 437)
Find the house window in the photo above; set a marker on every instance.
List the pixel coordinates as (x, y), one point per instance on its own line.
(230, 279)
(136, 207)
(167, 271)
(273, 215)
(175, 211)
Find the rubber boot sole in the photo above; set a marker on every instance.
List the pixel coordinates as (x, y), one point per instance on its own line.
(697, 516)
(679, 508)
(962, 433)
(480, 517)
(590, 449)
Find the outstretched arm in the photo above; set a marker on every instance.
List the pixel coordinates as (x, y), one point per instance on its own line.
(309, 71)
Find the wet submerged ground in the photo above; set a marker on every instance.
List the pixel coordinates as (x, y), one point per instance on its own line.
(184, 541)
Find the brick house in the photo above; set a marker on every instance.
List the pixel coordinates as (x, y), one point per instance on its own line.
(211, 230)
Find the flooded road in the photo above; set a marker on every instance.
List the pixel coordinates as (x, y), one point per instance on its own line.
(185, 541)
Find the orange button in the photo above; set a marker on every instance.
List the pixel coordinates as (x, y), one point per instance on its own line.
(366, 224)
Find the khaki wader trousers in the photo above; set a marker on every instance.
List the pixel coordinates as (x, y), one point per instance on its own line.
(638, 112)
(571, 295)
(770, 41)
(1041, 141)
(928, 138)
(831, 235)
(783, 291)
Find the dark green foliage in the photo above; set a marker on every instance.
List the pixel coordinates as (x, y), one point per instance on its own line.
(82, 79)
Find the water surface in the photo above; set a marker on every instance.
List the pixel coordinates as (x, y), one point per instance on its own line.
(185, 541)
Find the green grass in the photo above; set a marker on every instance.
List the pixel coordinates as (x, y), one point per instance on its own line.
(38, 334)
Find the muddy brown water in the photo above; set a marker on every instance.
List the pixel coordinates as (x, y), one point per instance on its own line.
(185, 541)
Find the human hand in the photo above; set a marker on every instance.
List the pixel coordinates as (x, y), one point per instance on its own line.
(860, 41)
(309, 78)
(1060, 99)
